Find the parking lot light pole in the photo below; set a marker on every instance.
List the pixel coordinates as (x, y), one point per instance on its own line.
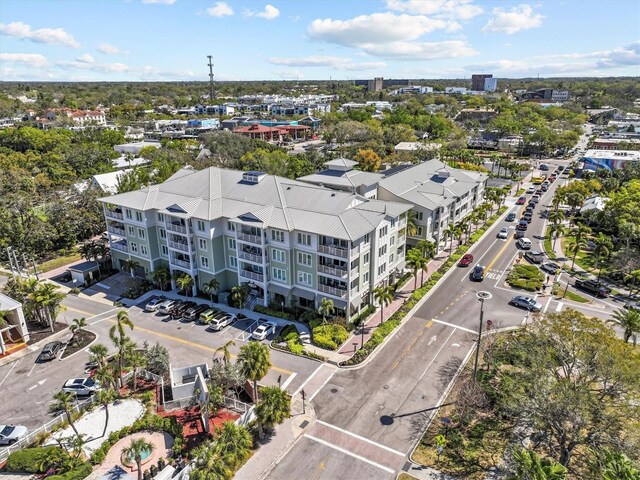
(482, 296)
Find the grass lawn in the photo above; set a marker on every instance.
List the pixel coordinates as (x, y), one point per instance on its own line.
(575, 297)
(520, 192)
(58, 262)
(526, 276)
(548, 245)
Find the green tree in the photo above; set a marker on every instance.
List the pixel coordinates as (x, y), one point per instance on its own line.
(384, 296)
(412, 227)
(529, 466)
(239, 295)
(603, 248)
(65, 401)
(78, 325)
(120, 339)
(210, 464)
(161, 277)
(130, 266)
(254, 359)
(273, 408)
(138, 448)
(234, 443)
(136, 360)
(629, 321)
(105, 397)
(157, 359)
(211, 288)
(184, 283)
(325, 309)
(556, 231)
(225, 351)
(413, 262)
(614, 465)
(368, 160)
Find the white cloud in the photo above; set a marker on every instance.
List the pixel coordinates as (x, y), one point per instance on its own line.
(86, 58)
(160, 2)
(621, 57)
(339, 63)
(220, 9)
(415, 51)
(108, 49)
(50, 36)
(96, 67)
(269, 13)
(520, 17)
(32, 59)
(458, 9)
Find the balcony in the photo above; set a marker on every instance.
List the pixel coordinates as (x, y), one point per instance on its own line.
(355, 291)
(176, 227)
(183, 247)
(355, 272)
(246, 237)
(114, 214)
(335, 251)
(250, 257)
(258, 277)
(333, 271)
(120, 246)
(402, 239)
(116, 230)
(340, 292)
(182, 263)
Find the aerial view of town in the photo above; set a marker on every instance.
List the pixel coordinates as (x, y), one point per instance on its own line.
(319, 240)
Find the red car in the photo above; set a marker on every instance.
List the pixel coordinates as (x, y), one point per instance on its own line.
(521, 200)
(466, 260)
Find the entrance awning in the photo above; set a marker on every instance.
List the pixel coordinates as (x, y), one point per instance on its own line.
(299, 292)
(279, 289)
(355, 303)
(339, 303)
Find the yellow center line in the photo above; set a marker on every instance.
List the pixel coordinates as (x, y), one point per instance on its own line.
(193, 344)
(429, 323)
(88, 314)
(495, 259)
(395, 365)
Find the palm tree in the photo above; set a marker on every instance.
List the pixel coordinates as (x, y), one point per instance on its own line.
(273, 408)
(632, 278)
(384, 296)
(254, 360)
(226, 353)
(234, 443)
(575, 247)
(239, 295)
(556, 231)
(412, 227)
(209, 465)
(427, 248)
(529, 466)
(136, 449)
(46, 302)
(89, 251)
(211, 287)
(413, 263)
(185, 282)
(136, 360)
(105, 397)
(106, 377)
(77, 326)
(120, 340)
(556, 216)
(130, 265)
(450, 231)
(65, 401)
(629, 320)
(325, 309)
(462, 229)
(98, 354)
(161, 276)
(603, 247)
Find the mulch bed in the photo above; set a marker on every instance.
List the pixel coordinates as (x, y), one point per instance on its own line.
(192, 424)
(37, 333)
(81, 340)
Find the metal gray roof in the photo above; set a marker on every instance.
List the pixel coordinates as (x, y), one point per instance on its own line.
(339, 178)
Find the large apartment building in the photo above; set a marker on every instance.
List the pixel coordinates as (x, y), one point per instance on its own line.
(289, 241)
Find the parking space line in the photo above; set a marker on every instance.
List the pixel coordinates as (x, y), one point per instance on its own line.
(559, 307)
(347, 452)
(359, 437)
(454, 326)
(10, 370)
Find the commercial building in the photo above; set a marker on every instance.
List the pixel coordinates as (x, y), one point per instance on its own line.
(609, 159)
(135, 148)
(288, 241)
(614, 143)
(478, 82)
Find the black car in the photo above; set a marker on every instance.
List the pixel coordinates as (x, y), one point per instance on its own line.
(193, 313)
(544, 167)
(522, 225)
(534, 256)
(174, 308)
(550, 268)
(528, 217)
(511, 217)
(477, 274)
(180, 309)
(593, 286)
(50, 351)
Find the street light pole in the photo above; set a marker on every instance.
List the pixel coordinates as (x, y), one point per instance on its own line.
(482, 296)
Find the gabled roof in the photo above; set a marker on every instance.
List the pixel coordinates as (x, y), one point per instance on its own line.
(341, 162)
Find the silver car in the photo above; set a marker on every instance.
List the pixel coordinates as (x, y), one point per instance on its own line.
(81, 386)
(526, 303)
(11, 434)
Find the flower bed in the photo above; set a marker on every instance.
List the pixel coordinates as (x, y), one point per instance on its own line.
(289, 341)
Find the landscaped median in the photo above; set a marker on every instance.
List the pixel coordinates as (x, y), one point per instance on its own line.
(390, 325)
(527, 277)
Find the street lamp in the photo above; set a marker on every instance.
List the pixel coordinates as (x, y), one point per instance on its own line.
(482, 296)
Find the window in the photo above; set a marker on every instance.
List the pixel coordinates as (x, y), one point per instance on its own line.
(141, 233)
(279, 274)
(202, 244)
(393, 223)
(139, 216)
(143, 250)
(366, 239)
(161, 217)
(419, 231)
(233, 262)
(304, 239)
(231, 226)
(232, 243)
(200, 226)
(304, 258)
(365, 259)
(277, 235)
(419, 215)
(128, 214)
(133, 247)
(131, 230)
(382, 250)
(383, 232)
(382, 268)
(163, 233)
(204, 262)
(391, 258)
(164, 250)
(305, 278)
(393, 240)
(365, 277)
(277, 255)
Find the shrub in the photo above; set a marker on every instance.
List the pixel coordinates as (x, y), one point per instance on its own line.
(315, 322)
(308, 316)
(273, 312)
(285, 333)
(329, 336)
(324, 341)
(81, 471)
(30, 460)
(527, 277)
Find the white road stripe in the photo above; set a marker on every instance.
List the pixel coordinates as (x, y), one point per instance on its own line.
(347, 432)
(288, 380)
(454, 326)
(31, 371)
(322, 386)
(436, 356)
(559, 307)
(100, 314)
(10, 370)
(347, 452)
(307, 380)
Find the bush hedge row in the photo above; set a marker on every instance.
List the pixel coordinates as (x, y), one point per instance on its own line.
(80, 472)
(273, 313)
(527, 277)
(31, 460)
(388, 326)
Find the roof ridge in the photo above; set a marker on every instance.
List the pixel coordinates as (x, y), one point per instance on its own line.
(283, 202)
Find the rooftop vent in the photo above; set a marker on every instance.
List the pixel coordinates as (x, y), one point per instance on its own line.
(444, 173)
(253, 177)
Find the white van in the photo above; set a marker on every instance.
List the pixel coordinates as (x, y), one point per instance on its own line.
(524, 243)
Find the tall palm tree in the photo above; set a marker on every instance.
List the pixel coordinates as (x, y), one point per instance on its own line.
(65, 401)
(211, 287)
(77, 326)
(234, 443)
(629, 320)
(46, 301)
(413, 263)
(136, 360)
(209, 465)
(161, 276)
(603, 247)
(254, 360)
(427, 248)
(105, 397)
(98, 354)
(575, 247)
(556, 231)
(556, 216)
(136, 449)
(384, 296)
(239, 295)
(120, 340)
(462, 229)
(185, 282)
(529, 466)
(226, 353)
(412, 227)
(130, 265)
(450, 232)
(325, 309)
(106, 377)
(273, 408)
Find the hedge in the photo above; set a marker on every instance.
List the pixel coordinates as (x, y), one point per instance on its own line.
(388, 326)
(285, 347)
(30, 460)
(272, 312)
(329, 336)
(81, 471)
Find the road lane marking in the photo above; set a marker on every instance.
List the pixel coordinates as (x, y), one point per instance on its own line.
(31, 371)
(454, 326)
(308, 380)
(429, 323)
(288, 381)
(192, 344)
(322, 386)
(444, 344)
(347, 452)
(359, 437)
(83, 312)
(495, 259)
(559, 307)
(10, 370)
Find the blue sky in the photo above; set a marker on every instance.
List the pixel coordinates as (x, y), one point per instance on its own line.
(145, 40)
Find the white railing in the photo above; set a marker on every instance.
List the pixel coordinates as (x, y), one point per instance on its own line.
(179, 246)
(335, 291)
(114, 214)
(116, 230)
(120, 246)
(258, 277)
(250, 257)
(245, 237)
(355, 272)
(335, 251)
(336, 272)
(182, 263)
(175, 227)
(230, 403)
(355, 251)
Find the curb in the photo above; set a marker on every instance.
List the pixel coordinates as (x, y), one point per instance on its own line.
(82, 349)
(298, 356)
(32, 348)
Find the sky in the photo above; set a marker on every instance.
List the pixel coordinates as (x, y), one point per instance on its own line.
(156, 40)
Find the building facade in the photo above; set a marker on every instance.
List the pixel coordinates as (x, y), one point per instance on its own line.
(290, 242)
(478, 81)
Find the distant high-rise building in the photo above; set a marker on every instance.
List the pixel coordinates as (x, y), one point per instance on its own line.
(490, 84)
(375, 85)
(478, 81)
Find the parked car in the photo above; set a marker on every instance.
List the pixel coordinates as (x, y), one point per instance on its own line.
(206, 316)
(175, 308)
(166, 306)
(632, 305)
(511, 217)
(265, 329)
(521, 200)
(534, 256)
(593, 286)
(154, 304)
(466, 260)
(182, 308)
(10, 434)
(527, 217)
(221, 320)
(544, 167)
(524, 243)
(535, 199)
(531, 190)
(477, 274)
(504, 232)
(193, 313)
(81, 386)
(522, 225)
(550, 268)
(519, 234)
(527, 303)
(50, 351)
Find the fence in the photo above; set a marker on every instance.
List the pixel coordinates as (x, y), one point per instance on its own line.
(230, 403)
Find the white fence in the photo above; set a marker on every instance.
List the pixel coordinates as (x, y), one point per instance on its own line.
(231, 403)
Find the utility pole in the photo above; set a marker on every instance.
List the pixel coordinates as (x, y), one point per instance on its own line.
(482, 296)
(210, 78)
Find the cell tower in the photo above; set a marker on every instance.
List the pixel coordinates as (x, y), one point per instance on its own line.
(210, 78)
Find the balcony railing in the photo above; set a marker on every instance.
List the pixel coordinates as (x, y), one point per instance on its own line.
(120, 246)
(175, 227)
(334, 271)
(258, 277)
(116, 230)
(355, 291)
(402, 239)
(355, 272)
(184, 247)
(246, 237)
(114, 214)
(335, 251)
(335, 291)
(182, 263)
(250, 257)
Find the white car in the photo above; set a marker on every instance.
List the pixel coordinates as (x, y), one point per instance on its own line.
(166, 305)
(531, 190)
(11, 434)
(81, 386)
(504, 232)
(265, 329)
(220, 321)
(154, 304)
